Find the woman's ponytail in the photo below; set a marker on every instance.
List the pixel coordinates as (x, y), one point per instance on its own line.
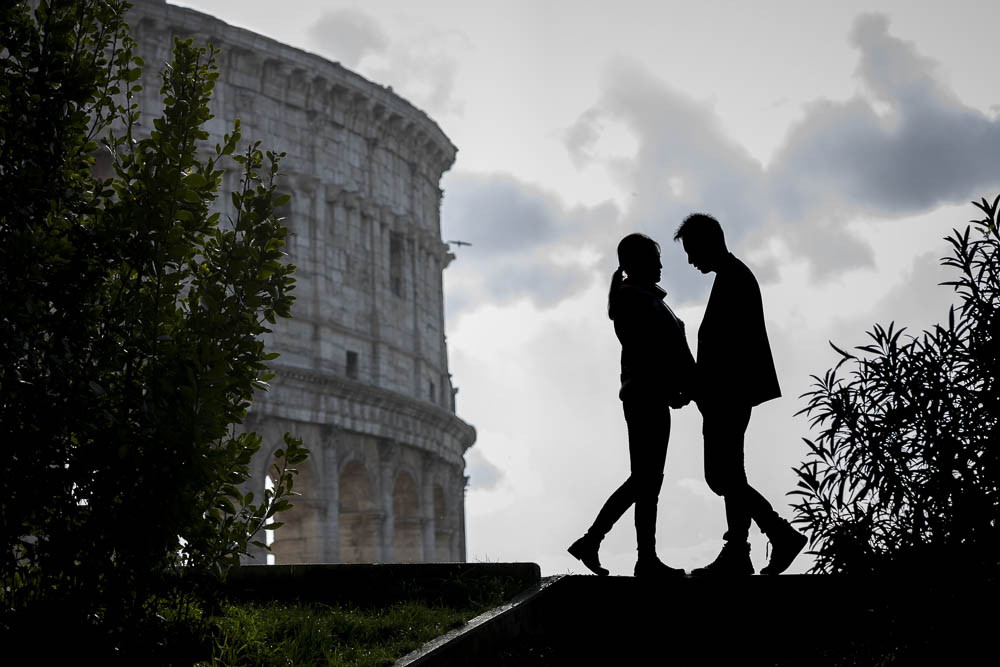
(616, 281)
(635, 250)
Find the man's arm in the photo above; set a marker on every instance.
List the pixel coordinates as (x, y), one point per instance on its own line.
(725, 339)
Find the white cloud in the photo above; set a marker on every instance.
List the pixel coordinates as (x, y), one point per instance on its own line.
(483, 474)
(420, 62)
(348, 35)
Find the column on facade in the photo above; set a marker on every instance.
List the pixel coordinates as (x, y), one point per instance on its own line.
(329, 542)
(386, 473)
(366, 218)
(309, 247)
(427, 518)
(459, 553)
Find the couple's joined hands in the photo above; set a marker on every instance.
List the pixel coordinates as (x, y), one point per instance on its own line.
(678, 400)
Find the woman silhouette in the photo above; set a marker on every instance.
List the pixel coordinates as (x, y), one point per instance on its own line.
(657, 369)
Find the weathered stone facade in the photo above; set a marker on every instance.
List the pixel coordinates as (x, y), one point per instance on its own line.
(363, 373)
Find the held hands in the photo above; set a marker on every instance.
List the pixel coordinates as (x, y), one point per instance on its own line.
(678, 400)
(692, 391)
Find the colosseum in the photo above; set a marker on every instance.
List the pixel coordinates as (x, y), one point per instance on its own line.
(363, 373)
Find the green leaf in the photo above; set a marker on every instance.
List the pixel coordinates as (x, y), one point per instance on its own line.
(195, 180)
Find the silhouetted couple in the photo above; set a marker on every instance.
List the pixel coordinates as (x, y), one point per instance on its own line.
(733, 373)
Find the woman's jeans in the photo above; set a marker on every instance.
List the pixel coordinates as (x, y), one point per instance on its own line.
(648, 422)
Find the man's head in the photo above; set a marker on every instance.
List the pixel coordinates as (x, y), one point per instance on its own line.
(703, 241)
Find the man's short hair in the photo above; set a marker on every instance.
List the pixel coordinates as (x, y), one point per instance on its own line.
(701, 228)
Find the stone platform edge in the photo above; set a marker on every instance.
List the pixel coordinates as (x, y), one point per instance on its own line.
(373, 583)
(588, 606)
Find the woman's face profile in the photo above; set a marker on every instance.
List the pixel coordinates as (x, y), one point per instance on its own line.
(646, 268)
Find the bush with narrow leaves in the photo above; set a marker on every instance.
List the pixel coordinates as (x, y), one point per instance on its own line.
(904, 472)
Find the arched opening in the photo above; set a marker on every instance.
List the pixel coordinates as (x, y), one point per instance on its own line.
(296, 540)
(442, 527)
(406, 535)
(358, 515)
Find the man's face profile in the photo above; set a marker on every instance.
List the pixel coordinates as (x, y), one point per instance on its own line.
(698, 257)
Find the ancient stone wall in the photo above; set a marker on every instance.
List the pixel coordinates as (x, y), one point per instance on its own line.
(363, 373)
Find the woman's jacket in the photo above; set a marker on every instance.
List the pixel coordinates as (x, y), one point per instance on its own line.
(656, 360)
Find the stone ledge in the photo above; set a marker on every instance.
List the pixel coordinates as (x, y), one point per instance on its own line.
(365, 408)
(374, 583)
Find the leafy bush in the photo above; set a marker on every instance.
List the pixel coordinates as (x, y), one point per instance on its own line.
(904, 474)
(130, 327)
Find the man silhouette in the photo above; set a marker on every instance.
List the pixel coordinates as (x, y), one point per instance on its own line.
(734, 372)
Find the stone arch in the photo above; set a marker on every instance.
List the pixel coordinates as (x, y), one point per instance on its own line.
(407, 540)
(296, 541)
(358, 518)
(442, 527)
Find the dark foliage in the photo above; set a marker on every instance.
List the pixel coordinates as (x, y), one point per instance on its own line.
(904, 474)
(130, 330)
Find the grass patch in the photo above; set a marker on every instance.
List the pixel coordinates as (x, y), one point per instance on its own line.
(314, 633)
(276, 633)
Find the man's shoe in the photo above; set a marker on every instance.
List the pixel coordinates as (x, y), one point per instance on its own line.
(786, 543)
(732, 561)
(585, 551)
(654, 568)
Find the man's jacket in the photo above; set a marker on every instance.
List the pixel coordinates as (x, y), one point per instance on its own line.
(734, 356)
(656, 360)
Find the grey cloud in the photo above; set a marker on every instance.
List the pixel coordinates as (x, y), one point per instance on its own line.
(928, 149)
(841, 161)
(889, 65)
(348, 35)
(581, 136)
(830, 247)
(518, 232)
(501, 213)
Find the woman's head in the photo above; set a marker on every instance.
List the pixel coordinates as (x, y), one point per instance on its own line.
(639, 259)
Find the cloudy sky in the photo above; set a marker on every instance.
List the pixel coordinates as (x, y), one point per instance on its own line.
(837, 143)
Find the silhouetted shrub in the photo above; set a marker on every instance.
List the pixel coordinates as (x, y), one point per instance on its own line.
(130, 332)
(904, 475)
